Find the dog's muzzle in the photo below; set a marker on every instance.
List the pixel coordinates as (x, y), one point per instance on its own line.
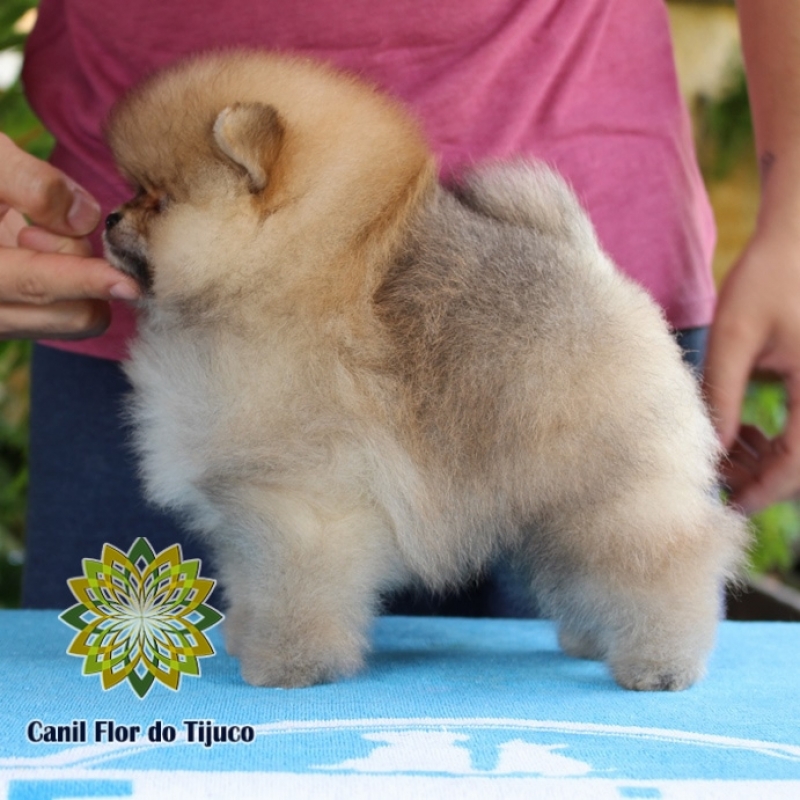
(123, 252)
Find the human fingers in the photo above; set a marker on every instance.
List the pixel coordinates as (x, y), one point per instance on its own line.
(745, 459)
(57, 295)
(43, 241)
(777, 476)
(11, 223)
(731, 355)
(42, 192)
(66, 319)
(42, 278)
(738, 336)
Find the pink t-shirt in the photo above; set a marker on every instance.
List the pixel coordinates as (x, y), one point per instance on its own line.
(587, 85)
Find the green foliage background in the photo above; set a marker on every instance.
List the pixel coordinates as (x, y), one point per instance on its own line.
(18, 122)
(777, 547)
(725, 132)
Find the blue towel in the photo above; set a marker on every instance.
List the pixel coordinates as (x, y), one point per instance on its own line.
(446, 708)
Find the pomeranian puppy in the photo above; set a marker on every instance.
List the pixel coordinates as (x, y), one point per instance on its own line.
(348, 378)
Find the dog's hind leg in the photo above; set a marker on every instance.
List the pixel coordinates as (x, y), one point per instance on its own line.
(639, 585)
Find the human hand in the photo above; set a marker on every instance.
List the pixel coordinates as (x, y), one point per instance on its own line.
(757, 330)
(50, 286)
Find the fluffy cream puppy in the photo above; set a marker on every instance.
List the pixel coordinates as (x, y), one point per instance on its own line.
(348, 378)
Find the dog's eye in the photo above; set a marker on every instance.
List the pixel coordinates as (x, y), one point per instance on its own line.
(153, 201)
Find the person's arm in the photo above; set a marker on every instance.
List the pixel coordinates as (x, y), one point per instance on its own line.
(50, 287)
(757, 323)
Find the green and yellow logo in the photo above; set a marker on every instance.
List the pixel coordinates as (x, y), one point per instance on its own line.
(141, 617)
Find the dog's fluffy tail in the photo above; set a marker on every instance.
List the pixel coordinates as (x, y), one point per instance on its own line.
(526, 193)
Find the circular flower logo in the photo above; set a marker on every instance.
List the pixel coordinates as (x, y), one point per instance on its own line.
(141, 617)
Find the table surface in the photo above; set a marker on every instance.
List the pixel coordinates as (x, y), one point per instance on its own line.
(445, 708)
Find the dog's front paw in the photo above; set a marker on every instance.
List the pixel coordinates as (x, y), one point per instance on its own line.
(295, 666)
(647, 676)
(235, 630)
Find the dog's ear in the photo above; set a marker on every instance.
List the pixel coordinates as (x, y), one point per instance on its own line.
(250, 135)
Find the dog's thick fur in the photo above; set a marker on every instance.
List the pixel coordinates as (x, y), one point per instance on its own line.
(348, 378)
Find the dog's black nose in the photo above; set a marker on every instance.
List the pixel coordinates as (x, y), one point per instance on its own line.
(112, 220)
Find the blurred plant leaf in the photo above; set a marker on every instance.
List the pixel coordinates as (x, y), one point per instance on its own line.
(17, 121)
(725, 129)
(777, 528)
(765, 407)
(777, 533)
(14, 409)
(10, 13)
(21, 124)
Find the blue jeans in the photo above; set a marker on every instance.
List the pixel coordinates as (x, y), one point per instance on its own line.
(84, 490)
